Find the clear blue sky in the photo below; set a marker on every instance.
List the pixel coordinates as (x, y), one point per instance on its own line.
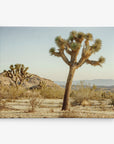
(30, 46)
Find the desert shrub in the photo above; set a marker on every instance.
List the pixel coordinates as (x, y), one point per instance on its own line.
(112, 100)
(11, 93)
(81, 93)
(16, 94)
(2, 103)
(2, 99)
(108, 95)
(86, 92)
(35, 101)
(52, 92)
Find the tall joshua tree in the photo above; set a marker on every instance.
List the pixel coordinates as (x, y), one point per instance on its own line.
(72, 46)
(18, 74)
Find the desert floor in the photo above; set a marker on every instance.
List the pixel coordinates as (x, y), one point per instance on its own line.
(51, 108)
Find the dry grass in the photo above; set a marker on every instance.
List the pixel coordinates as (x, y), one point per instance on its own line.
(47, 102)
(2, 104)
(35, 96)
(52, 92)
(86, 92)
(11, 94)
(112, 103)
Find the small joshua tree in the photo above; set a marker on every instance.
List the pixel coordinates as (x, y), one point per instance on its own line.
(72, 46)
(18, 74)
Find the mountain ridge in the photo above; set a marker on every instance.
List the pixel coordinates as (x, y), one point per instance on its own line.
(98, 82)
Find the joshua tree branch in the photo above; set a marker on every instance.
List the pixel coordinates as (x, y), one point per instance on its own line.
(77, 52)
(62, 55)
(56, 54)
(76, 39)
(94, 63)
(65, 59)
(68, 51)
(85, 55)
(80, 62)
(74, 55)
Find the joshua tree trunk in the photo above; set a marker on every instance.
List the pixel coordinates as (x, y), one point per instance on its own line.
(68, 89)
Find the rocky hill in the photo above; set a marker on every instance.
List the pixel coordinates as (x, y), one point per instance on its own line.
(32, 82)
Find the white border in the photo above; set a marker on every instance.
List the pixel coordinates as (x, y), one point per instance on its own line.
(56, 13)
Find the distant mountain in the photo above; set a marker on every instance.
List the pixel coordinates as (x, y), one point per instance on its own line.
(97, 82)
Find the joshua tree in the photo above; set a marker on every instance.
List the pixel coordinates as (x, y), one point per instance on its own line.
(72, 46)
(18, 74)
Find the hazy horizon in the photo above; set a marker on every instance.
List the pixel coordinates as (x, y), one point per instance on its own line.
(88, 79)
(30, 46)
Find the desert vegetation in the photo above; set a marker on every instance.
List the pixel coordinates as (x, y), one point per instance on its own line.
(85, 101)
(87, 92)
(26, 95)
(16, 96)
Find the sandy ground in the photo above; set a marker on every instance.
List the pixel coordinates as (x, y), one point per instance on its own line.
(51, 108)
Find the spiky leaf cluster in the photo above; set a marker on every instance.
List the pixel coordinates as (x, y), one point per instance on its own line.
(80, 35)
(101, 60)
(72, 35)
(52, 50)
(74, 42)
(89, 36)
(97, 45)
(74, 46)
(60, 42)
